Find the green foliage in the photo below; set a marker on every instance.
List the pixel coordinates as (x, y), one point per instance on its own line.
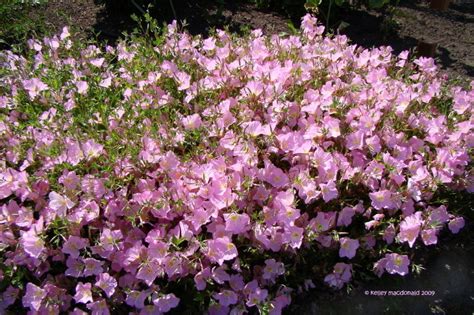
(19, 21)
(373, 4)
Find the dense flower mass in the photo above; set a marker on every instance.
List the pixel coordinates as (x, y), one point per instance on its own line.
(207, 174)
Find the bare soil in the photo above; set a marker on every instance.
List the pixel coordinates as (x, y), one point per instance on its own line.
(402, 27)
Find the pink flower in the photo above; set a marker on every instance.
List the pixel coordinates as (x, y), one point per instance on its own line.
(74, 153)
(97, 62)
(255, 128)
(73, 245)
(323, 221)
(106, 82)
(341, 274)
(192, 122)
(389, 234)
(75, 267)
(92, 267)
(382, 199)
(9, 297)
(220, 275)
(226, 297)
(99, 307)
(462, 102)
(379, 267)
(410, 228)
(83, 293)
(396, 263)
(348, 247)
(171, 265)
(70, 180)
(34, 87)
(201, 277)
(236, 223)
(294, 236)
(166, 302)
(456, 224)
(329, 191)
(136, 298)
(373, 143)
(169, 161)
(33, 297)
(109, 239)
(429, 236)
(273, 269)
(256, 297)
(355, 140)
(78, 311)
(184, 80)
(149, 271)
(59, 203)
(236, 282)
(32, 244)
(332, 126)
(92, 149)
(107, 283)
(220, 250)
(438, 216)
(82, 87)
(345, 216)
(275, 176)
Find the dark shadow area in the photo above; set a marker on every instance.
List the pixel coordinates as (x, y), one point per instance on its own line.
(114, 19)
(401, 27)
(446, 286)
(458, 13)
(368, 30)
(448, 278)
(197, 17)
(467, 8)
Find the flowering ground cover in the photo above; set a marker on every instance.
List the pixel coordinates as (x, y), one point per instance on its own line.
(175, 173)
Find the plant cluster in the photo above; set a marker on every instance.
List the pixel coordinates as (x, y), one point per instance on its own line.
(19, 20)
(219, 174)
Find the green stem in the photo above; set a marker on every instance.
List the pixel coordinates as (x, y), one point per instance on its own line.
(329, 14)
(174, 11)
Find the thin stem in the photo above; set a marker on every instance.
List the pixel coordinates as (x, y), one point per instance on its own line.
(329, 14)
(138, 7)
(174, 11)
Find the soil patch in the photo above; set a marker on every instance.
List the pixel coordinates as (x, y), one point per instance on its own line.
(404, 26)
(400, 28)
(447, 284)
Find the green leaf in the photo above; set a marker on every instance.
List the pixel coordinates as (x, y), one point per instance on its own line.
(312, 4)
(377, 3)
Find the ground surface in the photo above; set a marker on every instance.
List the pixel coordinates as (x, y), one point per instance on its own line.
(401, 28)
(449, 274)
(451, 30)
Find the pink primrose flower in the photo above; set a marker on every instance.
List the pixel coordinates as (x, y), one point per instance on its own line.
(73, 245)
(33, 297)
(34, 87)
(32, 243)
(83, 293)
(456, 224)
(107, 283)
(410, 228)
(348, 247)
(166, 302)
(396, 263)
(236, 223)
